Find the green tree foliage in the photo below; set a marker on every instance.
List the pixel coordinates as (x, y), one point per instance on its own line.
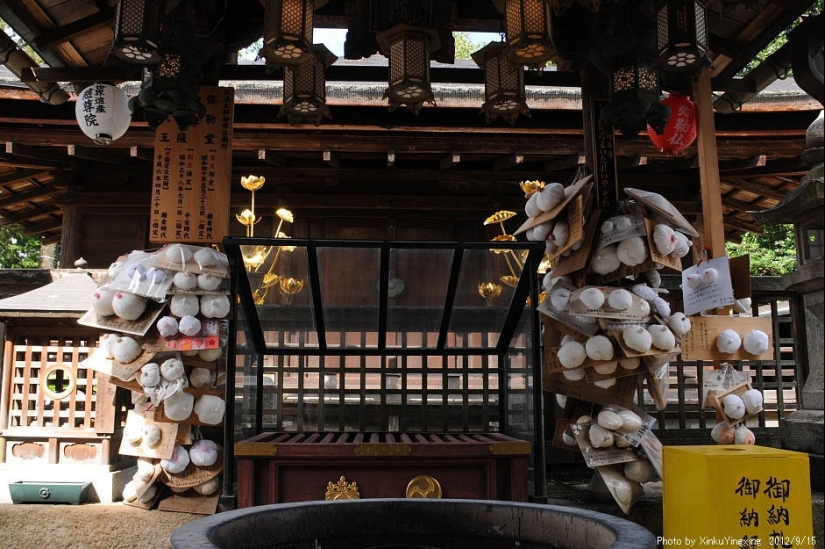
(780, 40)
(21, 43)
(464, 46)
(772, 253)
(18, 251)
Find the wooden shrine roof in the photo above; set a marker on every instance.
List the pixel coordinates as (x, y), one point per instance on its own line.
(447, 155)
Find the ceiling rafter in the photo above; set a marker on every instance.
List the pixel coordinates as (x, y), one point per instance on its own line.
(26, 196)
(752, 187)
(739, 225)
(21, 175)
(23, 216)
(40, 228)
(51, 38)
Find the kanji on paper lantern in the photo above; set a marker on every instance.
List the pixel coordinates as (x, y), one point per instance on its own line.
(103, 112)
(680, 130)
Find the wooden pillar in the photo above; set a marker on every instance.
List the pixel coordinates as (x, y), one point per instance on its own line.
(599, 144)
(70, 238)
(713, 226)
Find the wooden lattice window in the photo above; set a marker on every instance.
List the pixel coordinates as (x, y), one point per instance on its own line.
(48, 387)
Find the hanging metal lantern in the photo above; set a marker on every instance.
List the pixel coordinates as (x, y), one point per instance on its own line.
(408, 51)
(103, 113)
(682, 35)
(138, 31)
(634, 76)
(288, 30)
(503, 84)
(634, 95)
(305, 88)
(680, 131)
(171, 89)
(527, 25)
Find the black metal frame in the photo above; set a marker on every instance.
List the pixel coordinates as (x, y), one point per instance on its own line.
(528, 287)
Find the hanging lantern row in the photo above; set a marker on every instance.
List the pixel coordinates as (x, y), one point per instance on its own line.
(288, 33)
(103, 113)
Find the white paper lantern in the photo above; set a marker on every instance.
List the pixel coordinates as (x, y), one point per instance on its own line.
(102, 112)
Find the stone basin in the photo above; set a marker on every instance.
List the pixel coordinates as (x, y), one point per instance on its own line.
(411, 524)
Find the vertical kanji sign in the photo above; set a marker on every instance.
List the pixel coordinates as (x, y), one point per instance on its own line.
(192, 174)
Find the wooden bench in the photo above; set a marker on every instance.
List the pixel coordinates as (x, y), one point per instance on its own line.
(278, 467)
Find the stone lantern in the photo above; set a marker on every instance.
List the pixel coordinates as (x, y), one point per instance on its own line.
(804, 430)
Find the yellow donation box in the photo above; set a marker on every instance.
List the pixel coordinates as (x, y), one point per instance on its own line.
(736, 496)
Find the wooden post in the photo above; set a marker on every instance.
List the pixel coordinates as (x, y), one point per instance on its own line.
(599, 144)
(71, 241)
(713, 226)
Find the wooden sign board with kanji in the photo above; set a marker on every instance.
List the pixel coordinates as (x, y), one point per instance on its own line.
(192, 174)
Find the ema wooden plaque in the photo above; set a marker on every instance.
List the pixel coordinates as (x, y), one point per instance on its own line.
(192, 173)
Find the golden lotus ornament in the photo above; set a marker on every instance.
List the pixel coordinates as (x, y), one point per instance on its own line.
(246, 217)
(511, 281)
(270, 279)
(531, 187)
(499, 217)
(256, 257)
(284, 215)
(291, 286)
(489, 290)
(258, 297)
(502, 238)
(252, 183)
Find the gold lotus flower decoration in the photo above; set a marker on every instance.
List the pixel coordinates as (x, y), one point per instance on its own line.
(531, 187)
(291, 286)
(284, 215)
(258, 296)
(510, 280)
(502, 238)
(252, 183)
(489, 290)
(499, 217)
(256, 257)
(270, 279)
(247, 218)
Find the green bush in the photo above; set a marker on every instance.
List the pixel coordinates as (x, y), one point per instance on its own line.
(772, 253)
